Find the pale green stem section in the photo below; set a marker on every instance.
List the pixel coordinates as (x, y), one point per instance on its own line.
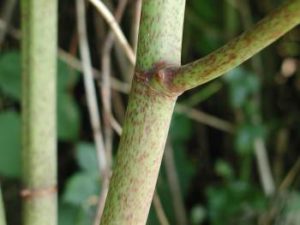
(2, 210)
(238, 50)
(147, 118)
(39, 44)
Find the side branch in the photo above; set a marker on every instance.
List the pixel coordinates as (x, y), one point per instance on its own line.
(237, 51)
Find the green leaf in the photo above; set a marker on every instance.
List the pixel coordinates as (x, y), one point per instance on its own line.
(246, 135)
(10, 79)
(80, 188)
(230, 203)
(73, 215)
(66, 77)
(224, 169)
(86, 157)
(242, 84)
(181, 128)
(67, 117)
(198, 214)
(10, 144)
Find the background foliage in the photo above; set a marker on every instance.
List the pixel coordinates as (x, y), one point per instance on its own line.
(217, 169)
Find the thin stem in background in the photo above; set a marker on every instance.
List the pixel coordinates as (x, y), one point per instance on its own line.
(77, 64)
(290, 177)
(115, 28)
(2, 210)
(106, 80)
(261, 154)
(178, 204)
(136, 23)
(161, 216)
(6, 15)
(39, 63)
(109, 120)
(90, 87)
(205, 118)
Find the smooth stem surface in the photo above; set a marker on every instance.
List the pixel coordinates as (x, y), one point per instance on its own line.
(2, 210)
(147, 118)
(238, 50)
(39, 44)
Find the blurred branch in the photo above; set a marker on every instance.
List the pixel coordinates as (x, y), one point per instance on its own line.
(108, 117)
(290, 177)
(136, 23)
(264, 167)
(205, 118)
(2, 210)
(90, 88)
(178, 204)
(115, 28)
(6, 15)
(161, 216)
(106, 80)
(77, 64)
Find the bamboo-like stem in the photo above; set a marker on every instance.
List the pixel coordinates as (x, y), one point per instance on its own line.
(39, 49)
(147, 118)
(2, 210)
(236, 51)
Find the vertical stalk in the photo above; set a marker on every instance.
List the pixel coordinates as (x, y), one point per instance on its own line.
(148, 115)
(2, 210)
(39, 44)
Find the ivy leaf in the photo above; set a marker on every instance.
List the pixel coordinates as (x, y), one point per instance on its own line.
(80, 188)
(86, 157)
(67, 117)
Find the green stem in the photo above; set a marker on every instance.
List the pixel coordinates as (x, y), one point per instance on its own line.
(39, 44)
(2, 210)
(148, 116)
(236, 51)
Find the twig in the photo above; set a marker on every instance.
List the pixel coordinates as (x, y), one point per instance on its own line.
(108, 117)
(106, 80)
(6, 14)
(159, 210)
(205, 118)
(101, 200)
(290, 176)
(77, 64)
(264, 168)
(261, 154)
(136, 23)
(90, 88)
(178, 205)
(116, 29)
(2, 210)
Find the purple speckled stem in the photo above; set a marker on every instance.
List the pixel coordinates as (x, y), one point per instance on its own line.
(238, 50)
(158, 80)
(148, 116)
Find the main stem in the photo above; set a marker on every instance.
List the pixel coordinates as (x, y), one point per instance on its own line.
(148, 115)
(39, 44)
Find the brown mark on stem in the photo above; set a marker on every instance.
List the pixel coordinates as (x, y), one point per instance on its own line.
(159, 79)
